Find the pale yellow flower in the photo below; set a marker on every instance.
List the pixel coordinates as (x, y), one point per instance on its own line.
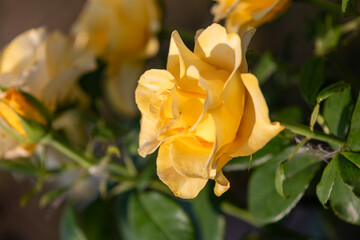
(241, 14)
(46, 66)
(202, 111)
(122, 33)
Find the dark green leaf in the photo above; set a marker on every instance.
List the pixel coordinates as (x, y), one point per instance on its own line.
(325, 186)
(211, 221)
(331, 90)
(151, 215)
(265, 68)
(343, 202)
(353, 140)
(337, 112)
(69, 229)
(265, 204)
(349, 174)
(289, 114)
(311, 80)
(352, 157)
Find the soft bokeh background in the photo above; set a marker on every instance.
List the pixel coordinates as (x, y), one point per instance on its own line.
(32, 223)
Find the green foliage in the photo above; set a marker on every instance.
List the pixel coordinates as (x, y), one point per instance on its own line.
(337, 112)
(265, 68)
(207, 213)
(311, 79)
(265, 204)
(151, 215)
(325, 186)
(353, 139)
(69, 228)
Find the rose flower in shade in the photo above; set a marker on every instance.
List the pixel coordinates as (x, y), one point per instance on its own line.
(241, 14)
(202, 111)
(123, 34)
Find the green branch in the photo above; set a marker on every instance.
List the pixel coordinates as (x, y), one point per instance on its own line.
(305, 131)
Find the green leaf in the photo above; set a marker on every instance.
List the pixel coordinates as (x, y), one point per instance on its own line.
(311, 80)
(331, 90)
(69, 228)
(289, 114)
(265, 204)
(268, 152)
(151, 215)
(207, 213)
(344, 5)
(265, 68)
(352, 157)
(349, 174)
(353, 140)
(325, 186)
(279, 180)
(337, 112)
(97, 220)
(343, 202)
(329, 41)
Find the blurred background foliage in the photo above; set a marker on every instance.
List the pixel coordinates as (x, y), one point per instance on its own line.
(311, 47)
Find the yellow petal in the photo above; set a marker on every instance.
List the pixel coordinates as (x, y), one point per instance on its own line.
(190, 157)
(256, 128)
(222, 184)
(20, 54)
(152, 82)
(218, 48)
(120, 86)
(233, 95)
(181, 58)
(148, 140)
(180, 185)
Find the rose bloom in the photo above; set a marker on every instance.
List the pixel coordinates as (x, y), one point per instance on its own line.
(240, 14)
(46, 66)
(123, 34)
(204, 110)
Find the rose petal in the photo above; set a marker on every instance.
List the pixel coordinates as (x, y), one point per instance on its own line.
(190, 157)
(256, 128)
(222, 184)
(181, 58)
(152, 82)
(148, 140)
(218, 48)
(180, 185)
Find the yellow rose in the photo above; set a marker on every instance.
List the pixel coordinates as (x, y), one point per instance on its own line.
(241, 14)
(45, 65)
(117, 28)
(202, 111)
(123, 33)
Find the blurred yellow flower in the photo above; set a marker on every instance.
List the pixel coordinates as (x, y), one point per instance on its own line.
(202, 111)
(46, 66)
(241, 14)
(122, 33)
